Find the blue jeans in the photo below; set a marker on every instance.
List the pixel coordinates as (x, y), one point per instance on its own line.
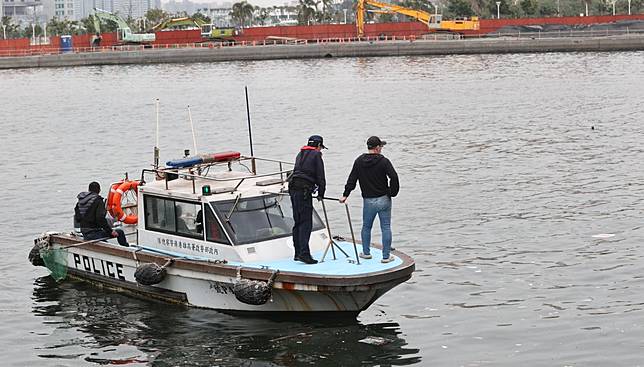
(382, 207)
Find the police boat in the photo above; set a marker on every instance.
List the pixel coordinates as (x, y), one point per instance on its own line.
(211, 231)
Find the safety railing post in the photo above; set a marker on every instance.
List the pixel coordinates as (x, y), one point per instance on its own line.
(328, 229)
(353, 237)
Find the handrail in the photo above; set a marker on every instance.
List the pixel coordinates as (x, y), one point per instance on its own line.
(331, 240)
(165, 172)
(45, 50)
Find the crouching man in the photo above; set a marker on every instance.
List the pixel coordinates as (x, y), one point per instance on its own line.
(90, 213)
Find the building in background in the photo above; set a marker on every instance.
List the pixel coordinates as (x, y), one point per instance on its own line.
(23, 11)
(134, 8)
(220, 17)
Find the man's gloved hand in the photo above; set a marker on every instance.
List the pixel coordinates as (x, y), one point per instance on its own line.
(114, 234)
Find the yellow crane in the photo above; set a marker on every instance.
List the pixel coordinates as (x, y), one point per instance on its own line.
(434, 22)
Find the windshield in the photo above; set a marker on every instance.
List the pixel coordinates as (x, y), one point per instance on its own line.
(260, 218)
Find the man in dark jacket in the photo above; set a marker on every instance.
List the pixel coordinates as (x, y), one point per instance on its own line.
(307, 178)
(90, 214)
(378, 183)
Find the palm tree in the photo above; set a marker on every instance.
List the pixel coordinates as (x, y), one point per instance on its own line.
(262, 14)
(306, 10)
(156, 16)
(326, 4)
(242, 11)
(12, 29)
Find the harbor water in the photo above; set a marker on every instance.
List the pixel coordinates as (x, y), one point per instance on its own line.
(521, 201)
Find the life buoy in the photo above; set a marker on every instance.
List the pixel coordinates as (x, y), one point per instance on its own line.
(110, 195)
(114, 202)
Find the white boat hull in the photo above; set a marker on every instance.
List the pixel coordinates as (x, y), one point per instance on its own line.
(212, 288)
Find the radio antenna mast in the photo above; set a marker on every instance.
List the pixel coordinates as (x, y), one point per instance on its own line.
(250, 134)
(156, 146)
(192, 127)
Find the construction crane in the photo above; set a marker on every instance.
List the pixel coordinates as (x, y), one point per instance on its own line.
(123, 32)
(209, 31)
(179, 23)
(434, 22)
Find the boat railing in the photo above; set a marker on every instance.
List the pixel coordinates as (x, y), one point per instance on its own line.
(332, 244)
(196, 172)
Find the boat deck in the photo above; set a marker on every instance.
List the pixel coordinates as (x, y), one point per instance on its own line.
(342, 266)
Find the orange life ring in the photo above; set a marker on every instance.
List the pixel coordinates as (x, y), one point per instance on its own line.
(114, 202)
(110, 196)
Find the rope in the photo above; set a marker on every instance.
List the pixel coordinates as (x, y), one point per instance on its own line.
(271, 280)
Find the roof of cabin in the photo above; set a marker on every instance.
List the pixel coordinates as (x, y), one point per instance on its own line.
(223, 185)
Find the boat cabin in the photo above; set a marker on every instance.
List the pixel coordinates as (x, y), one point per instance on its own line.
(208, 208)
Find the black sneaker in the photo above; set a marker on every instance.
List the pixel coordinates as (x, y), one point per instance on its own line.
(308, 260)
(296, 258)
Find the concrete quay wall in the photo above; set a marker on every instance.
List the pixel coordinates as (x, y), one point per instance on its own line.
(320, 50)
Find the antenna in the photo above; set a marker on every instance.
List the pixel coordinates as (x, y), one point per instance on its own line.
(250, 134)
(156, 146)
(192, 127)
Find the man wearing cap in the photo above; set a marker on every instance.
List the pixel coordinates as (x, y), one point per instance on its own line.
(378, 183)
(307, 177)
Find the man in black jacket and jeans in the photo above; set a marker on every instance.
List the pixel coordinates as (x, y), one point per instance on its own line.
(378, 183)
(90, 213)
(307, 177)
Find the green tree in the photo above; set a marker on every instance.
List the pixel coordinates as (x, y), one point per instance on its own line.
(263, 14)
(325, 16)
(242, 11)
(306, 11)
(13, 30)
(88, 24)
(59, 27)
(28, 31)
(516, 11)
(200, 17)
(418, 5)
(460, 8)
(155, 16)
(529, 7)
(602, 7)
(547, 8)
(504, 7)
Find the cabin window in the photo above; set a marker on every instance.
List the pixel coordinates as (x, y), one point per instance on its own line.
(214, 232)
(174, 217)
(260, 218)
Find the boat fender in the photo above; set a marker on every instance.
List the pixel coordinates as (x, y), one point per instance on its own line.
(151, 273)
(40, 242)
(253, 292)
(34, 256)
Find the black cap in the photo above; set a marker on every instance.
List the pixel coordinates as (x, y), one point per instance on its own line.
(316, 141)
(375, 141)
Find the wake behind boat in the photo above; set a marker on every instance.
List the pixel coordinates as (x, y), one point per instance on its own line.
(209, 231)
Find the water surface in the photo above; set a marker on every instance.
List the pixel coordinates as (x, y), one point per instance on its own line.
(510, 167)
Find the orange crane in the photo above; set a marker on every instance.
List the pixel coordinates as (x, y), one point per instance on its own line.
(434, 22)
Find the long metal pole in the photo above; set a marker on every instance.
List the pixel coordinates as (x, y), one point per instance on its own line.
(156, 146)
(353, 237)
(328, 228)
(250, 133)
(192, 127)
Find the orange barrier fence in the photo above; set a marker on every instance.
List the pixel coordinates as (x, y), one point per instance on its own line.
(259, 36)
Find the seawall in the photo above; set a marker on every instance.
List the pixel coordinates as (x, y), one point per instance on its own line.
(632, 42)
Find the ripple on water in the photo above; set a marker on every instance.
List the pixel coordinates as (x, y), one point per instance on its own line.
(511, 168)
